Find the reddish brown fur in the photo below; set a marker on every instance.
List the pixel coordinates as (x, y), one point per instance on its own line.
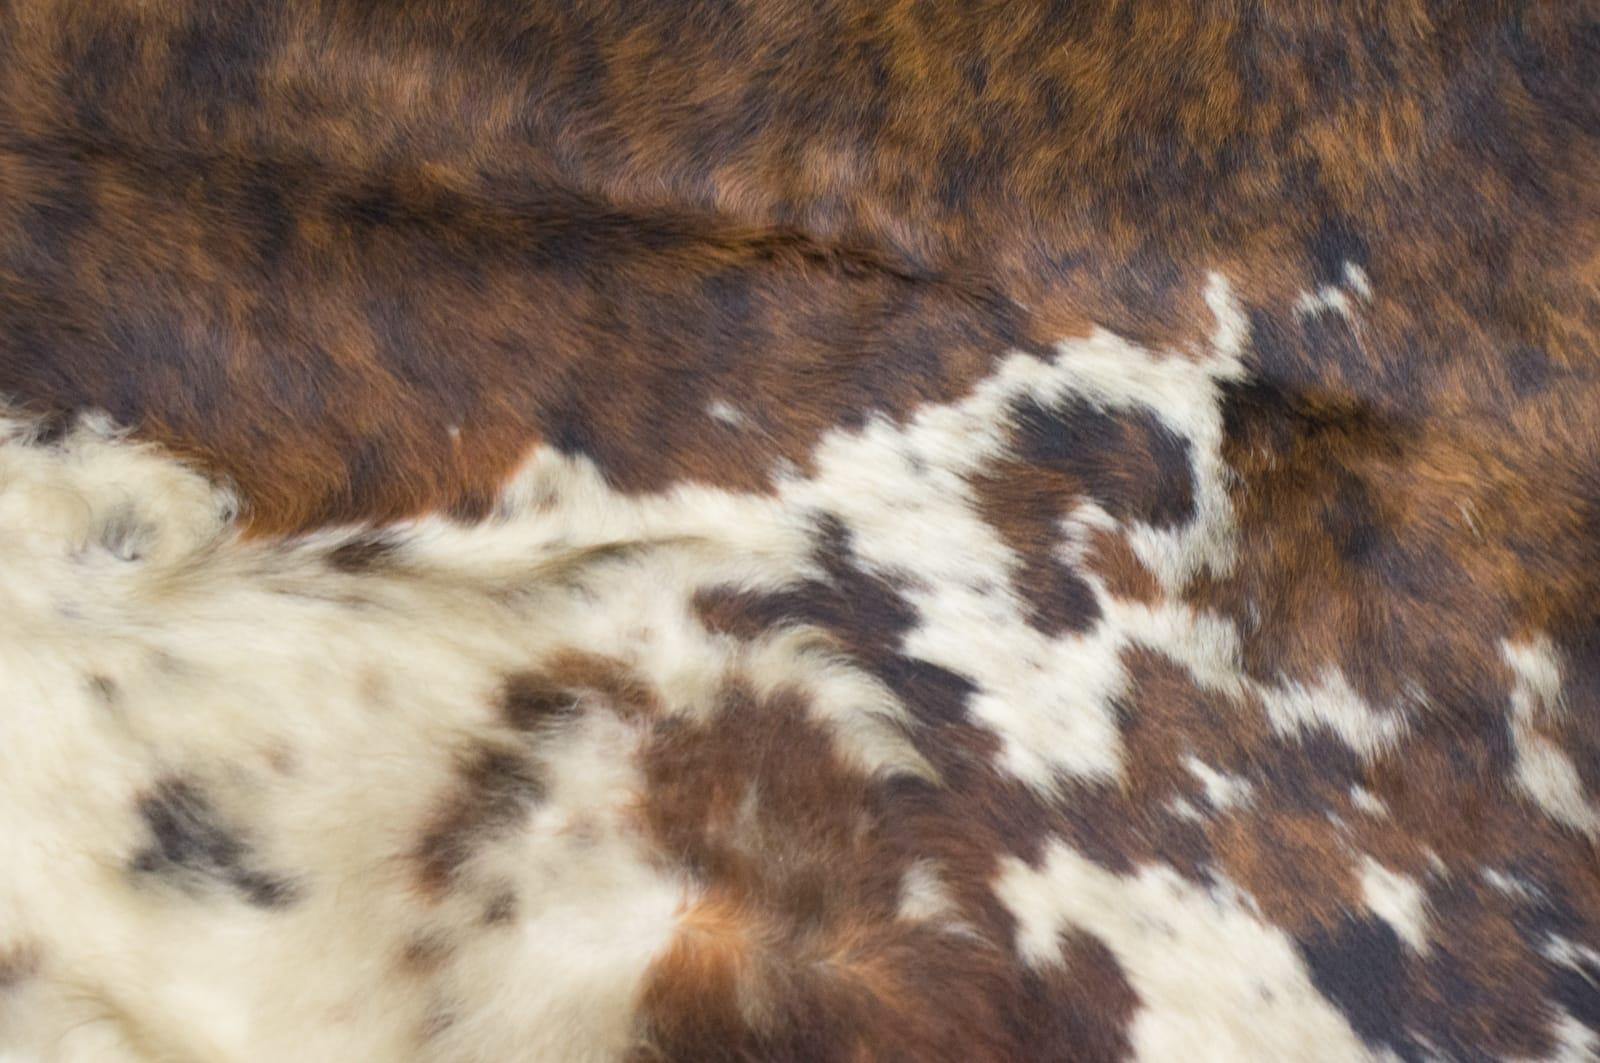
(835, 218)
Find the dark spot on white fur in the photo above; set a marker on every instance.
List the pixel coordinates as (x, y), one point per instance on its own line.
(501, 908)
(125, 536)
(17, 965)
(364, 553)
(167, 664)
(426, 953)
(529, 701)
(192, 846)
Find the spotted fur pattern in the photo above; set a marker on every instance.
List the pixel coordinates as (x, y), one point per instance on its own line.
(777, 531)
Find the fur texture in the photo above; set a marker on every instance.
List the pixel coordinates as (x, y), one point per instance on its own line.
(799, 531)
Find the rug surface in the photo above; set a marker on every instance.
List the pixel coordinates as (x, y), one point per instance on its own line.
(769, 530)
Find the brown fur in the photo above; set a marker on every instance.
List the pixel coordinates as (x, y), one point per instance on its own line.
(358, 261)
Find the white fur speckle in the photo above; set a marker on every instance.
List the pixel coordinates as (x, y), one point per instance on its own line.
(1355, 278)
(1324, 299)
(1333, 299)
(924, 897)
(1544, 771)
(1224, 791)
(1398, 901)
(724, 411)
(1368, 802)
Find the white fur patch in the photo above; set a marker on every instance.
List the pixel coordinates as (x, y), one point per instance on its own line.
(1224, 791)
(1331, 703)
(1544, 771)
(924, 897)
(1398, 901)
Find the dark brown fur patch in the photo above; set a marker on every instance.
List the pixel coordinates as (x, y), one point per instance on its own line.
(530, 700)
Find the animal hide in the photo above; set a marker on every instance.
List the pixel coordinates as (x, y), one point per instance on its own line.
(799, 531)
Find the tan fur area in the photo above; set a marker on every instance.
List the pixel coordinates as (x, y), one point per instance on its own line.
(843, 530)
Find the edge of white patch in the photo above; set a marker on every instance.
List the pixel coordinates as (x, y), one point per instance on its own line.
(1213, 980)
